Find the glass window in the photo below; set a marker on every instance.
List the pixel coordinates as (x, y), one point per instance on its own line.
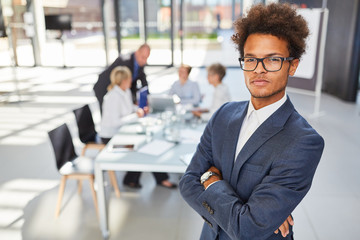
(20, 41)
(83, 45)
(130, 28)
(157, 31)
(158, 27)
(207, 30)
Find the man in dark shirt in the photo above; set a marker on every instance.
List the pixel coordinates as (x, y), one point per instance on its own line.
(135, 62)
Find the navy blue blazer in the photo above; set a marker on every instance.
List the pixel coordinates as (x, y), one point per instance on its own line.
(269, 178)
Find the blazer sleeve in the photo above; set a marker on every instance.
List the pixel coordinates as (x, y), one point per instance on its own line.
(271, 201)
(190, 186)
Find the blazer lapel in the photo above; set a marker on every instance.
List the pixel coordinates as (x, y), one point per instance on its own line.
(229, 146)
(266, 130)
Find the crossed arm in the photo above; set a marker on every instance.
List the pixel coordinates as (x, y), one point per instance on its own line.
(284, 228)
(268, 207)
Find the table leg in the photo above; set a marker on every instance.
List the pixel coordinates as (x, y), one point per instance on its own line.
(103, 216)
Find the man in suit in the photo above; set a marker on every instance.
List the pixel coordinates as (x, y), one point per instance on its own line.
(256, 159)
(135, 62)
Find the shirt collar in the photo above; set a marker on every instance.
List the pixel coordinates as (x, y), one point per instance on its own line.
(119, 90)
(263, 113)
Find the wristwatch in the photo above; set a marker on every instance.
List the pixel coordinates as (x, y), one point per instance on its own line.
(206, 176)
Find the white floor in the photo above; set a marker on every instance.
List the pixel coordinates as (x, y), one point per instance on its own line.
(29, 180)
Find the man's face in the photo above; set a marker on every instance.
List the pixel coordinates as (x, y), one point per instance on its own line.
(141, 56)
(267, 87)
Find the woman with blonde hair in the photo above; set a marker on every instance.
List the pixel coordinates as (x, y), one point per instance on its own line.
(118, 107)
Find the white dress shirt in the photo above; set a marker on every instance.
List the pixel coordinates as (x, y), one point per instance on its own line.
(221, 95)
(189, 92)
(253, 119)
(118, 109)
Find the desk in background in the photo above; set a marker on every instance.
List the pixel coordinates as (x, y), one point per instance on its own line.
(140, 134)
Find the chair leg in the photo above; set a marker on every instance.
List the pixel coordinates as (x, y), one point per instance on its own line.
(91, 179)
(113, 182)
(79, 186)
(60, 195)
(83, 150)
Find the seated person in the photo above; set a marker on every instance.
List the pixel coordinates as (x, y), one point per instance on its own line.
(118, 108)
(221, 95)
(188, 91)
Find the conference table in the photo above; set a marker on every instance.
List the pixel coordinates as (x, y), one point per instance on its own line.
(151, 144)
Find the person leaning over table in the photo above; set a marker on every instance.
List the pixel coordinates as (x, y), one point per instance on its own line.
(188, 91)
(221, 95)
(136, 62)
(119, 109)
(256, 159)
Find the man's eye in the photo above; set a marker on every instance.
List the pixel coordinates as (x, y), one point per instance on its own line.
(274, 59)
(250, 60)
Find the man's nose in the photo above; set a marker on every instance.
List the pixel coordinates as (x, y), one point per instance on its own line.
(260, 68)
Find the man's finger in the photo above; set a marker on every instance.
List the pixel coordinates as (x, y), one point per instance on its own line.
(290, 220)
(276, 231)
(284, 229)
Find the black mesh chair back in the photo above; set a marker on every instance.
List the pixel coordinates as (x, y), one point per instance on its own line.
(70, 166)
(63, 146)
(88, 136)
(85, 123)
(100, 87)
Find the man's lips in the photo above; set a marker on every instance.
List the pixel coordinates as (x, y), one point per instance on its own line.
(259, 82)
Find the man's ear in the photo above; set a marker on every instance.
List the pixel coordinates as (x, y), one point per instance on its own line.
(293, 66)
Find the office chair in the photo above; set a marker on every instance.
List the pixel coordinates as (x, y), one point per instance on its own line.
(89, 137)
(69, 165)
(100, 87)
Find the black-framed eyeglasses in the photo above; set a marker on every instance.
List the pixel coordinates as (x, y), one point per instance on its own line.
(270, 64)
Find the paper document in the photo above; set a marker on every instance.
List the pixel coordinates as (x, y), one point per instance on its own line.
(156, 147)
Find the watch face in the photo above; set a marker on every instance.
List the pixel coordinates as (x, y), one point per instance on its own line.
(205, 176)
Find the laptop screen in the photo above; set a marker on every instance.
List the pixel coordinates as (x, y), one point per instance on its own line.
(160, 103)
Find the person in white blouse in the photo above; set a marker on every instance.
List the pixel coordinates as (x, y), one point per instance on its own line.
(118, 109)
(188, 91)
(221, 95)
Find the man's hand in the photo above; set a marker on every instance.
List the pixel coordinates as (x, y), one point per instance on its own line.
(213, 178)
(284, 228)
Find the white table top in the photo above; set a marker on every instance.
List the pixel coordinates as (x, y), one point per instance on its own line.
(133, 160)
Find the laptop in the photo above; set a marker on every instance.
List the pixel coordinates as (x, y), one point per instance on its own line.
(161, 103)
